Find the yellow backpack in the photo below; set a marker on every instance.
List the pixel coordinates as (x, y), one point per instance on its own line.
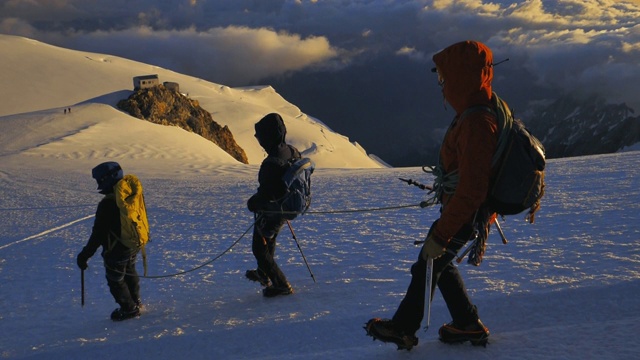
(134, 226)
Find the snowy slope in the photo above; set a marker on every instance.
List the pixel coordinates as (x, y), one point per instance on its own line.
(565, 287)
(43, 80)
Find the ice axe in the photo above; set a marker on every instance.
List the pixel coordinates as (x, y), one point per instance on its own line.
(419, 185)
(427, 295)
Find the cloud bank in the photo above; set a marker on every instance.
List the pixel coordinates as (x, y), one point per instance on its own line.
(565, 45)
(569, 43)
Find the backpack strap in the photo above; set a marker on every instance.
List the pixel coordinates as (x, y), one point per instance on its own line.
(504, 116)
(446, 183)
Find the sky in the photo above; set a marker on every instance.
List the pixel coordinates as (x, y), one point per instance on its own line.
(334, 57)
(563, 287)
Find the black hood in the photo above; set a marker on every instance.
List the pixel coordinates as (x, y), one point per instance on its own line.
(271, 132)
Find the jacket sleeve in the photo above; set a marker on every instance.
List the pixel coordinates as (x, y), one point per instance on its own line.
(102, 226)
(474, 148)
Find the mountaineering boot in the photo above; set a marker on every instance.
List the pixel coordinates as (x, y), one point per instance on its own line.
(119, 314)
(258, 276)
(476, 333)
(385, 331)
(271, 291)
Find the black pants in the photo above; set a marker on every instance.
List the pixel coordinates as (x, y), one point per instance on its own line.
(123, 280)
(446, 275)
(263, 246)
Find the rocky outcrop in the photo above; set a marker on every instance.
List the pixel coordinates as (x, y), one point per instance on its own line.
(571, 127)
(166, 107)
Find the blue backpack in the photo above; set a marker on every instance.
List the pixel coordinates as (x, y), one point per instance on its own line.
(297, 179)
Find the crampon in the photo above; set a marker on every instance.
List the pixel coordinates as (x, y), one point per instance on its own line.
(384, 331)
(476, 333)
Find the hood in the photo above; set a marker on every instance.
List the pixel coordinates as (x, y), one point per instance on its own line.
(271, 132)
(467, 70)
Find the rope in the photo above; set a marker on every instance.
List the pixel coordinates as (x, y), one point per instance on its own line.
(249, 228)
(47, 207)
(443, 183)
(197, 267)
(46, 232)
(422, 205)
(346, 211)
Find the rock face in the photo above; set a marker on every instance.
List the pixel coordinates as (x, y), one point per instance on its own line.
(167, 107)
(571, 127)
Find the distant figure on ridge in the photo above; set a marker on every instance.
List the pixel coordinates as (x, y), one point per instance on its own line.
(123, 203)
(270, 132)
(465, 72)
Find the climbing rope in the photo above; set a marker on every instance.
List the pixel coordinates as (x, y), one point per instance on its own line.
(443, 183)
(202, 265)
(346, 211)
(228, 249)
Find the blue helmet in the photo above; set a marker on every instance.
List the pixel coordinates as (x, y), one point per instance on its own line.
(107, 175)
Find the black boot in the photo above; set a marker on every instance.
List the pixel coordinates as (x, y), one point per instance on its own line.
(119, 314)
(385, 331)
(258, 276)
(271, 291)
(476, 333)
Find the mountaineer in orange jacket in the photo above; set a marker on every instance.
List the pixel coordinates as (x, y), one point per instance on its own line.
(465, 72)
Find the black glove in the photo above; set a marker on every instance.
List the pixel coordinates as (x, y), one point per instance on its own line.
(82, 261)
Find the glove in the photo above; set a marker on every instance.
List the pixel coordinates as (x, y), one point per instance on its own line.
(431, 248)
(82, 261)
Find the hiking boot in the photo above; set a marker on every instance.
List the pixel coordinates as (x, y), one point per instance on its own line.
(271, 291)
(476, 333)
(119, 314)
(385, 331)
(258, 276)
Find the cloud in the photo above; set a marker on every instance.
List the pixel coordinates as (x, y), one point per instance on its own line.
(411, 53)
(562, 44)
(231, 55)
(18, 27)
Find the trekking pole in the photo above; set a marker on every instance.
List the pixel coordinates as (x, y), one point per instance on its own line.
(427, 296)
(301, 253)
(82, 286)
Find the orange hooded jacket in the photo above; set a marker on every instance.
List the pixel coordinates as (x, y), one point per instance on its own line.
(467, 70)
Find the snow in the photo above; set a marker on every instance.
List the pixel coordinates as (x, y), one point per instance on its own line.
(564, 287)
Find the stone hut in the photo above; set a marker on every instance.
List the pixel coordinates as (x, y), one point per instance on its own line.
(173, 86)
(145, 81)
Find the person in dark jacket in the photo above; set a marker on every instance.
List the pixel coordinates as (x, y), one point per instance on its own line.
(270, 132)
(465, 72)
(119, 260)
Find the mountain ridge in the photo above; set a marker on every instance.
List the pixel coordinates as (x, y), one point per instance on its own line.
(46, 80)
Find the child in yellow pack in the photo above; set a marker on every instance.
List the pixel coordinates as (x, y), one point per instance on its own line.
(119, 260)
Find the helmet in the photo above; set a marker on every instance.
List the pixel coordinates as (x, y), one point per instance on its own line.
(107, 175)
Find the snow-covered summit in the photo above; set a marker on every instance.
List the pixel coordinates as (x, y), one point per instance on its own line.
(58, 105)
